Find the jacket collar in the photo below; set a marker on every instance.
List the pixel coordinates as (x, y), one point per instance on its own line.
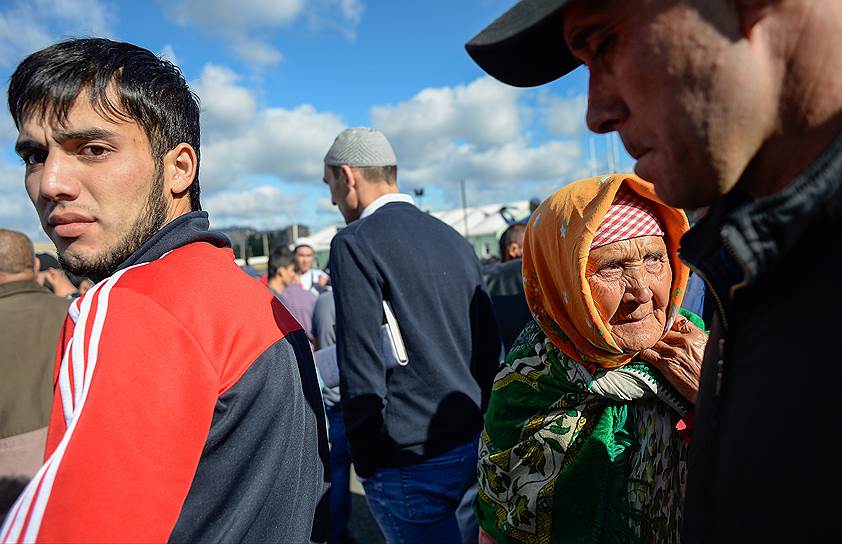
(185, 229)
(22, 286)
(741, 239)
(383, 200)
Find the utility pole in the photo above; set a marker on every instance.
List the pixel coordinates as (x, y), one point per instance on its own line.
(419, 194)
(464, 207)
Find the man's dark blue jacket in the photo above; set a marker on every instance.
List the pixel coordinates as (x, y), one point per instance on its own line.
(433, 280)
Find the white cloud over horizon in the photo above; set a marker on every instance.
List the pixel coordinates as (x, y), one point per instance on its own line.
(242, 139)
(16, 211)
(262, 207)
(476, 132)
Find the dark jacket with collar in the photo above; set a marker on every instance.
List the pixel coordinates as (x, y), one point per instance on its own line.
(433, 280)
(764, 461)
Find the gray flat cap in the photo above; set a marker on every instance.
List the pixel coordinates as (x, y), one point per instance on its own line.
(361, 147)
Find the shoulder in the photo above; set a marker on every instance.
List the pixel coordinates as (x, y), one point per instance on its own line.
(202, 287)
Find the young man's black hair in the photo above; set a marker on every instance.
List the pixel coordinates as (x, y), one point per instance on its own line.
(512, 235)
(149, 91)
(281, 257)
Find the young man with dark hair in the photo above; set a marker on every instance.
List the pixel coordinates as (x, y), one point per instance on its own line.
(283, 281)
(186, 404)
(511, 242)
(736, 104)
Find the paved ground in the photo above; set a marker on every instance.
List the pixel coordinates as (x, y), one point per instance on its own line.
(363, 528)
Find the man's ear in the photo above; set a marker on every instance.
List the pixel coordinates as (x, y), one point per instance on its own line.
(348, 174)
(179, 168)
(513, 250)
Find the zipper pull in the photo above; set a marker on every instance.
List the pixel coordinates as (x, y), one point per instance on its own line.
(720, 366)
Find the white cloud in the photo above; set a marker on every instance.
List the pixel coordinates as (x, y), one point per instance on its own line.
(564, 116)
(423, 128)
(263, 207)
(26, 26)
(16, 211)
(242, 140)
(475, 132)
(343, 16)
(249, 27)
(168, 53)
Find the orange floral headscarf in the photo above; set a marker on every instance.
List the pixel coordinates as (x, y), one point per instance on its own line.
(556, 250)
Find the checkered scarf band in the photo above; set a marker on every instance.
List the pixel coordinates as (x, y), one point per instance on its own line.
(628, 217)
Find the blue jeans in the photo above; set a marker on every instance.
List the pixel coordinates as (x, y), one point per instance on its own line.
(418, 503)
(340, 477)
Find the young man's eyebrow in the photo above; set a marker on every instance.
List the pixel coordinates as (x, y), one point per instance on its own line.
(95, 133)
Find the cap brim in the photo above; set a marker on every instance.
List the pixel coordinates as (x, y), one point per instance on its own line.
(525, 46)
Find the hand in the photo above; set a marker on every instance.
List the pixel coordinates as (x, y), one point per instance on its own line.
(678, 355)
(58, 282)
(324, 281)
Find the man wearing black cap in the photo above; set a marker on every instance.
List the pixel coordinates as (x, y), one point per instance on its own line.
(735, 104)
(413, 429)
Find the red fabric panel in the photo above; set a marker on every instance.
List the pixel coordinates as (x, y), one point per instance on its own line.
(132, 456)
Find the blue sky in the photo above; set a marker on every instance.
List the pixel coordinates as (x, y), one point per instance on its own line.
(278, 79)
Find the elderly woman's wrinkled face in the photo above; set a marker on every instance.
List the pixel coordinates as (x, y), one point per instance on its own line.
(630, 285)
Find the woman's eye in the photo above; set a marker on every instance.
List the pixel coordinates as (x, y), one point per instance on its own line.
(611, 268)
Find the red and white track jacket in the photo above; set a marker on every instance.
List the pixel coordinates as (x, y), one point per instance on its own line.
(186, 409)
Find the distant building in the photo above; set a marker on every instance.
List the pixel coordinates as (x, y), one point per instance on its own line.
(249, 242)
(482, 224)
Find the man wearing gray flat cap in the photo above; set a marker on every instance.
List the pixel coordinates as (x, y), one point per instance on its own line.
(736, 105)
(412, 429)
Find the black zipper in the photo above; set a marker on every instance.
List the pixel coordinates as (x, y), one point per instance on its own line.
(720, 360)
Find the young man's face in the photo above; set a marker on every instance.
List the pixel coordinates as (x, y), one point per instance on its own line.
(681, 86)
(95, 187)
(287, 274)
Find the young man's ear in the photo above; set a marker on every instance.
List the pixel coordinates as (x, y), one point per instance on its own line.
(179, 168)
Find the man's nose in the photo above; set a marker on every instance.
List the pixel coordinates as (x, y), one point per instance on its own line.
(58, 180)
(606, 110)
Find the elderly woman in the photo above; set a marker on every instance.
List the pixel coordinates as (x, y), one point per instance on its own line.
(580, 440)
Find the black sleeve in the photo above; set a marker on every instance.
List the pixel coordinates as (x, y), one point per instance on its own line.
(281, 492)
(362, 373)
(487, 346)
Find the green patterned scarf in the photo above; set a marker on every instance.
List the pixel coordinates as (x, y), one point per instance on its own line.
(575, 455)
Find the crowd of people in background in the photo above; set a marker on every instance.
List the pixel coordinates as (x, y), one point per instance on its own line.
(618, 375)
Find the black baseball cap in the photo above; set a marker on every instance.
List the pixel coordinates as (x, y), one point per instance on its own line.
(525, 46)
